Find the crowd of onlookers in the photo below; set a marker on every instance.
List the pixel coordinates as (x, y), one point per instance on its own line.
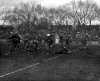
(53, 42)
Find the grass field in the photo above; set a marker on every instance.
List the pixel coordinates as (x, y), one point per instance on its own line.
(64, 68)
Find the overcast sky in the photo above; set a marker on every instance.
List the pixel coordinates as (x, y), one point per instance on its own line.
(46, 3)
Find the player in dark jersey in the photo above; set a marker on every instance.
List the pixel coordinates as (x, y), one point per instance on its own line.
(68, 44)
(14, 39)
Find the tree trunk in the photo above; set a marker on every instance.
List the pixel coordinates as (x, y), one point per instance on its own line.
(90, 22)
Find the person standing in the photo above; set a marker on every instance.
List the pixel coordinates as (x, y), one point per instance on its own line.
(14, 39)
(57, 39)
(68, 44)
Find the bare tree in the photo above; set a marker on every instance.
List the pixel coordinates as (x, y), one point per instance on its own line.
(92, 12)
(23, 17)
(83, 11)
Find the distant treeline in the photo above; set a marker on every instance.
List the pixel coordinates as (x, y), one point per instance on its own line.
(6, 29)
(70, 27)
(52, 27)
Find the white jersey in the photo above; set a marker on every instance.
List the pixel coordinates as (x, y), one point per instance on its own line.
(57, 39)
